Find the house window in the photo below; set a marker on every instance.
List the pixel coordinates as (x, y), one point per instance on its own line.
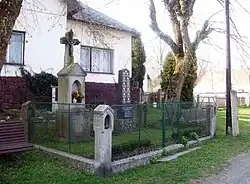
(15, 50)
(97, 60)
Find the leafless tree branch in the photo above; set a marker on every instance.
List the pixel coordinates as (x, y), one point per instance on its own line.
(158, 31)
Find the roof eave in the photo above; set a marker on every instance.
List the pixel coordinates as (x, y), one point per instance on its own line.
(133, 33)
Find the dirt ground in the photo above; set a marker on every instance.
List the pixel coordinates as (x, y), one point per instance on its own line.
(237, 172)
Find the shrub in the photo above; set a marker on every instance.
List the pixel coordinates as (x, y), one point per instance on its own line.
(199, 130)
(184, 141)
(164, 152)
(134, 145)
(145, 143)
(40, 84)
(130, 146)
(168, 84)
(138, 58)
(153, 159)
(194, 136)
(126, 146)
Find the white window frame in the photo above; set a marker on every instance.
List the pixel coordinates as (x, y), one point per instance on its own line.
(90, 59)
(22, 50)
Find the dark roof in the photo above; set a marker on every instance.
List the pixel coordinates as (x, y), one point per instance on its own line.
(81, 12)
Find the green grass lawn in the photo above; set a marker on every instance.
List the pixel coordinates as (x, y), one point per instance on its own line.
(35, 168)
(86, 148)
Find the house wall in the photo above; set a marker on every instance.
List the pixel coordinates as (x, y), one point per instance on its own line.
(44, 22)
(120, 42)
(150, 86)
(215, 81)
(145, 82)
(43, 51)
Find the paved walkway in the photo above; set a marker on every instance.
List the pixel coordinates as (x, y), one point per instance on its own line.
(238, 172)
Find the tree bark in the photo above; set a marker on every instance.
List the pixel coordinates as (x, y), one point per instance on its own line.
(184, 73)
(176, 80)
(9, 11)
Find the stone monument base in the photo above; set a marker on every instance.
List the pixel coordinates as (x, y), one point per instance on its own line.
(74, 124)
(126, 119)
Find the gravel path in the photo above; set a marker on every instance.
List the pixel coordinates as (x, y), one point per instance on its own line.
(238, 172)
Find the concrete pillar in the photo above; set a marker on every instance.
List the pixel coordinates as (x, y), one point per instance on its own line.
(197, 100)
(234, 105)
(211, 116)
(213, 119)
(247, 100)
(103, 125)
(54, 97)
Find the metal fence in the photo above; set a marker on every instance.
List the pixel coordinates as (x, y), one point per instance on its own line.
(66, 127)
(184, 121)
(138, 128)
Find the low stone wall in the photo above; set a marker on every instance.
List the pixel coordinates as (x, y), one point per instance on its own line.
(89, 165)
(144, 159)
(75, 161)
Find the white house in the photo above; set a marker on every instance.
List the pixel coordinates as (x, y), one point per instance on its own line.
(152, 78)
(214, 82)
(35, 43)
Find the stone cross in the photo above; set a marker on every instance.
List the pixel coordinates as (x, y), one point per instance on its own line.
(69, 43)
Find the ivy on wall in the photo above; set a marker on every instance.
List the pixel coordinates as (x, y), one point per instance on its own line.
(189, 82)
(40, 84)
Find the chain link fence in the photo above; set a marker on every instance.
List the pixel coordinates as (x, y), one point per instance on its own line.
(138, 128)
(66, 127)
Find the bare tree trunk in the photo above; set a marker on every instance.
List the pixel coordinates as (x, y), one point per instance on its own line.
(9, 11)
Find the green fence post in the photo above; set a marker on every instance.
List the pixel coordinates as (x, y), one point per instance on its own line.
(145, 112)
(163, 126)
(140, 119)
(178, 121)
(69, 129)
(30, 115)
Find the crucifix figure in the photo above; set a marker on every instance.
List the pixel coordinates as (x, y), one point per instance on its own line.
(69, 43)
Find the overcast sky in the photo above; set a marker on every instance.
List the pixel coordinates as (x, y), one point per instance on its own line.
(135, 13)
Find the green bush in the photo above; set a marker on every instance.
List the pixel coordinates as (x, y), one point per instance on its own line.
(153, 159)
(187, 131)
(168, 83)
(164, 153)
(134, 145)
(184, 140)
(40, 84)
(145, 143)
(130, 146)
(194, 136)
